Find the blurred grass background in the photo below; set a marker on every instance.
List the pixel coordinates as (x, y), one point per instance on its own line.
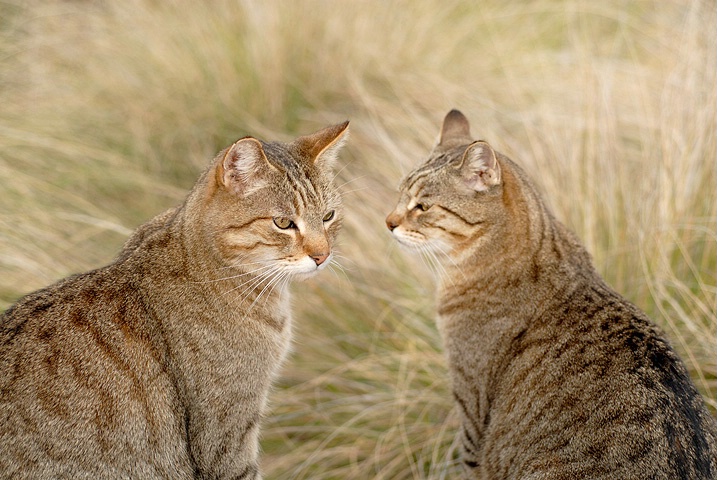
(109, 111)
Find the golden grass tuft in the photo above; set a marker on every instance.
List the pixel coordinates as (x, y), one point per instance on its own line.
(110, 110)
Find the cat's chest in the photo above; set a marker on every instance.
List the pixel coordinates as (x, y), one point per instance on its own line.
(229, 340)
(471, 318)
(476, 331)
(268, 328)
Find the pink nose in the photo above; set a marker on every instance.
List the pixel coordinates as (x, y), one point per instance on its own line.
(392, 221)
(319, 258)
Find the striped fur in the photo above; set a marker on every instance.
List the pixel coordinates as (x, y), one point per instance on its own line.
(159, 364)
(555, 375)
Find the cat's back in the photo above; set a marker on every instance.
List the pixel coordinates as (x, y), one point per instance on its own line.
(593, 390)
(98, 300)
(84, 384)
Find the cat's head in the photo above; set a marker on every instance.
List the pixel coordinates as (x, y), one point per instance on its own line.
(271, 207)
(452, 200)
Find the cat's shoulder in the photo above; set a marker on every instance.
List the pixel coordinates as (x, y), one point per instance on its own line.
(46, 309)
(88, 291)
(156, 226)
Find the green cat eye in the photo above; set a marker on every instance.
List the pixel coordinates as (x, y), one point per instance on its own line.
(283, 223)
(329, 215)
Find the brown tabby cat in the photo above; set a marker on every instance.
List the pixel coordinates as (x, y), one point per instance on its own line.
(555, 375)
(159, 364)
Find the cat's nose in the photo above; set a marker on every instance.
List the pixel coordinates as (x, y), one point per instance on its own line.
(391, 222)
(319, 258)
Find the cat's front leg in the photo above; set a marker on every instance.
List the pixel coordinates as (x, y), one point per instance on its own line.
(221, 452)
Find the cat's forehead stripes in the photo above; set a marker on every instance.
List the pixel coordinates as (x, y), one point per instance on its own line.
(301, 182)
(307, 195)
(304, 195)
(279, 156)
(415, 177)
(429, 168)
(299, 199)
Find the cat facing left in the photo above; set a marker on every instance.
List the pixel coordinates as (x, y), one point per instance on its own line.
(158, 365)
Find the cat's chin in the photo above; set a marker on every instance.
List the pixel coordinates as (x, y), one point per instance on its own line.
(411, 241)
(303, 276)
(419, 243)
(299, 276)
(409, 244)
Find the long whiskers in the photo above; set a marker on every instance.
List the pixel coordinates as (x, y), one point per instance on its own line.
(444, 254)
(357, 189)
(335, 267)
(254, 282)
(280, 277)
(340, 170)
(239, 264)
(431, 261)
(230, 277)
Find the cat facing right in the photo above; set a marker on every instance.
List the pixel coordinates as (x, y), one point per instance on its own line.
(555, 375)
(159, 364)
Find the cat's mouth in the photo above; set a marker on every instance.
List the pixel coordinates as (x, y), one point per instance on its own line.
(306, 267)
(409, 238)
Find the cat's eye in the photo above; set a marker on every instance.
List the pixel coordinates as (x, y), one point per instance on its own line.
(329, 215)
(283, 223)
(422, 207)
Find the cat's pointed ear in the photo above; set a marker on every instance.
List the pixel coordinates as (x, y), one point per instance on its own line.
(322, 147)
(243, 167)
(480, 168)
(456, 129)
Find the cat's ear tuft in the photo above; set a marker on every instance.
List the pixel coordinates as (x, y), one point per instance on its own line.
(456, 129)
(322, 147)
(480, 168)
(243, 167)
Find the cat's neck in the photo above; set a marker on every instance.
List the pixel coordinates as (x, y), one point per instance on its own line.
(168, 247)
(494, 294)
(522, 262)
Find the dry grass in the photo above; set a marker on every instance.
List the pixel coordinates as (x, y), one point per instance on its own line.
(109, 112)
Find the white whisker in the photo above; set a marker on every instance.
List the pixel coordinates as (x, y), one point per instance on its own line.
(240, 265)
(276, 277)
(338, 266)
(334, 266)
(251, 272)
(281, 284)
(337, 258)
(341, 170)
(355, 190)
(437, 262)
(253, 283)
(333, 271)
(284, 282)
(351, 181)
(440, 250)
(425, 261)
